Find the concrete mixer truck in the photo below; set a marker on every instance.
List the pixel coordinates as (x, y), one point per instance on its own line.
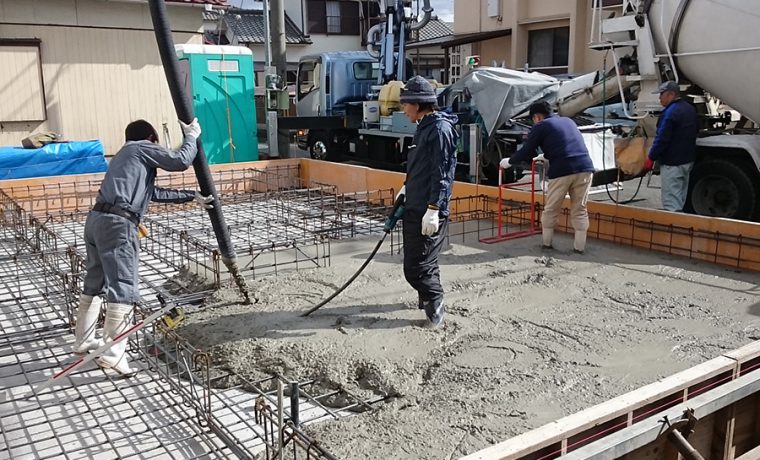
(712, 49)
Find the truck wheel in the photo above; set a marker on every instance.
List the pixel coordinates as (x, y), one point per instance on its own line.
(318, 149)
(720, 188)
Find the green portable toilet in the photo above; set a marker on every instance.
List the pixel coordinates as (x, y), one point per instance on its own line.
(220, 80)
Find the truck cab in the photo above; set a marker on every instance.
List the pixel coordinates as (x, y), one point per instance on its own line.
(325, 84)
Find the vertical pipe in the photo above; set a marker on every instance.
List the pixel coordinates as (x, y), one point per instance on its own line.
(295, 415)
(280, 410)
(184, 110)
(280, 61)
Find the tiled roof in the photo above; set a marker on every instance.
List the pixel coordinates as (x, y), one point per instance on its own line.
(432, 30)
(248, 27)
(202, 2)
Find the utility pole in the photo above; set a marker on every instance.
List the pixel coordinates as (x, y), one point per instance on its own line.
(279, 59)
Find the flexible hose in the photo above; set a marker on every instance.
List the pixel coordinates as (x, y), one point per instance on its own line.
(350, 280)
(184, 110)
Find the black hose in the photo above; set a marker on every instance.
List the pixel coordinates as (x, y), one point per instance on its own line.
(185, 113)
(350, 280)
(390, 223)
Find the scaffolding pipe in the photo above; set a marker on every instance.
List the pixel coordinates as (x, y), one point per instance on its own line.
(200, 165)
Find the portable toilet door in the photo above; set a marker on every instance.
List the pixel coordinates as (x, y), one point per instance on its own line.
(220, 80)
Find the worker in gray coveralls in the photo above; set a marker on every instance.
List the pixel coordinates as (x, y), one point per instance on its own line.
(427, 189)
(111, 234)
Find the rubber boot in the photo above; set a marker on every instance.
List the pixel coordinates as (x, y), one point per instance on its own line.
(434, 312)
(547, 234)
(118, 320)
(579, 244)
(87, 321)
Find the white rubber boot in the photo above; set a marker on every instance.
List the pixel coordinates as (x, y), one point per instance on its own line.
(87, 322)
(118, 320)
(547, 235)
(579, 243)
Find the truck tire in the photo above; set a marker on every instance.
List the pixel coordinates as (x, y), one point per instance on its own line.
(318, 148)
(321, 147)
(721, 188)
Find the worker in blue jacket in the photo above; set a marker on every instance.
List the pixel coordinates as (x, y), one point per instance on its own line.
(429, 178)
(675, 146)
(111, 234)
(570, 170)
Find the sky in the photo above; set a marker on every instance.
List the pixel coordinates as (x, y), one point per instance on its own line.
(444, 9)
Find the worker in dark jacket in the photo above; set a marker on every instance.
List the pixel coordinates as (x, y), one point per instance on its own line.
(570, 170)
(675, 146)
(111, 234)
(429, 177)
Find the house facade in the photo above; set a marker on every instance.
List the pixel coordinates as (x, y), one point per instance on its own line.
(86, 68)
(549, 36)
(311, 27)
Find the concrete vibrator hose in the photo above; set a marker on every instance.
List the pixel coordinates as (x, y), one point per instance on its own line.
(390, 222)
(185, 113)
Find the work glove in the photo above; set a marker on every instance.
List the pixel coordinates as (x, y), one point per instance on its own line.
(430, 222)
(204, 201)
(540, 157)
(504, 163)
(648, 164)
(191, 130)
(402, 191)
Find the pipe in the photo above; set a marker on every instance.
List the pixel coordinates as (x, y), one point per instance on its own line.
(373, 35)
(684, 448)
(428, 10)
(184, 110)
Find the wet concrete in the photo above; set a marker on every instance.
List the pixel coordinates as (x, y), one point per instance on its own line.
(529, 337)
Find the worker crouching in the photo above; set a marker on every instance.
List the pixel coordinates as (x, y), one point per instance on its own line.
(429, 176)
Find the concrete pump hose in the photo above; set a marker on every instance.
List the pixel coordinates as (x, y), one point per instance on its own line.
(184, 110)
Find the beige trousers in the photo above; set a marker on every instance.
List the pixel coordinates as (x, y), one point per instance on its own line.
(577, 186)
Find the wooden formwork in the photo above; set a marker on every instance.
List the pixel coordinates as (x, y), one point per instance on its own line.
(726, 434)
(722, 241)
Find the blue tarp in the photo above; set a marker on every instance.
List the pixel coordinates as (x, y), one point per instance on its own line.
(52, 160)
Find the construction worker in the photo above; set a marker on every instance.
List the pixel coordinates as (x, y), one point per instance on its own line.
(570, 170)
(429, 177)
(111, 234)
(675, 146)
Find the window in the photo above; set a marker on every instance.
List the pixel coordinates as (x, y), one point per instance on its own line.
(456, 64)
(308, 78)
(333, 17)
(21, 88)
(366, 70)
(548, 48)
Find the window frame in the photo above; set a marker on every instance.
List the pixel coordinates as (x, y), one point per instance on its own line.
(555, 66)
(35, 43)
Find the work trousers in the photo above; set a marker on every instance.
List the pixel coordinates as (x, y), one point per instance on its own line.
(421, 257)
(113, 251)
(674, 186)
(577, 186)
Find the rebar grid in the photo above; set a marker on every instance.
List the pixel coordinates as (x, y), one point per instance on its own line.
(188, 370)
(95, 416)
(55, 242)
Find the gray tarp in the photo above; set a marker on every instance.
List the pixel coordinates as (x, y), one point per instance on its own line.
(500, 94)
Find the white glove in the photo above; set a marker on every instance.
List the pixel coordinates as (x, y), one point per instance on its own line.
(504, 163)
(192, 130)
(430, 222)
(540, 157)
(204, 201)
(401, 192)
